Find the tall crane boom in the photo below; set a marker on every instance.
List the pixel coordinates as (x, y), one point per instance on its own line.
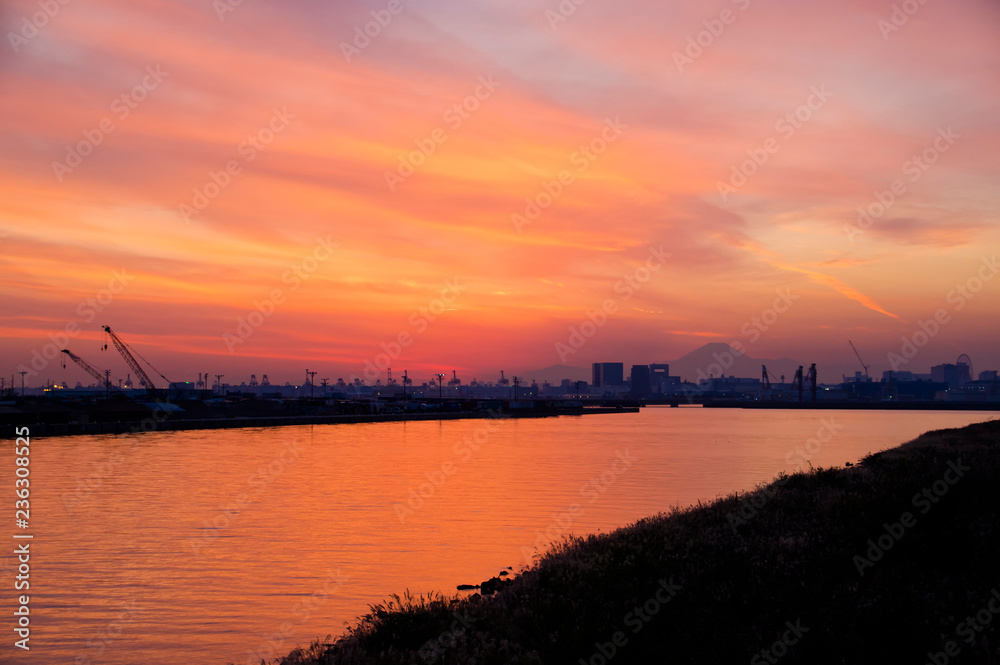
(87, 367)
(132, 362)
(860, 360)
(811, 378)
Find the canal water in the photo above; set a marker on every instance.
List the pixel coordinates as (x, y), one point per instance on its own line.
(226, 546)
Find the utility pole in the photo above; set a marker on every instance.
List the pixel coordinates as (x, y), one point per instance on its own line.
(107, 384)
(309, 378)
(22, 373)
(440, 380)
(404, 389)
(517, 382)
(218, 379)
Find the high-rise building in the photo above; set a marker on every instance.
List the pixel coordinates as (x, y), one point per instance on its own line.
(659, 377)
(608, 374)
(640, 380)
(955, 376)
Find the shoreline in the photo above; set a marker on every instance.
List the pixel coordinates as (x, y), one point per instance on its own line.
(152, 424)
(888, 560)
(150, 418)
(853, 405)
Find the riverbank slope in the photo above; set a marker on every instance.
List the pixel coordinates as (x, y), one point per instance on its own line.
(887, 561)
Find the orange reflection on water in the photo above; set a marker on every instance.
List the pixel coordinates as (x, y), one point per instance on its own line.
(223, 545)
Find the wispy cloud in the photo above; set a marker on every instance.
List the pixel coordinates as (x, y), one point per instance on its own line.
(355, 121)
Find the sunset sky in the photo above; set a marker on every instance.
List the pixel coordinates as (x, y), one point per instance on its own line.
(473, 178)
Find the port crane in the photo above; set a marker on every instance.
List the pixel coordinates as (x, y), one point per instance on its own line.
(102, 377)
(765, 382)
(123, 349)
(811, 378)
(867, 380)
(504, 381)
(455, 381)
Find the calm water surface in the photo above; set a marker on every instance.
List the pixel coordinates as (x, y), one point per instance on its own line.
(227, 545)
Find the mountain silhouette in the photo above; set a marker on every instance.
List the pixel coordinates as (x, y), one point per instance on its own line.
(717, 358)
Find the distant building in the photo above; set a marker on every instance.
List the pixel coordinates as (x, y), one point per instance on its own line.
(920, 390)
(730, 384)
(988, 375)
(640, 378)
(659, 374)
(568, 387)
(671, 385)
(893, 375)
(608, 374)
(955, 376)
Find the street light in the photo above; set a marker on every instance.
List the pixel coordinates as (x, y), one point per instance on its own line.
(440, 378)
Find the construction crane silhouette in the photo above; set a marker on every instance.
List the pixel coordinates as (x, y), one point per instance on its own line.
(765, 382)
(811, 378)
(126, 353)
(867, 379)
(797, 381)
(102, 377)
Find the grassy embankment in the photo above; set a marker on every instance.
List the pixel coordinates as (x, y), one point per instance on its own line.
(883, 562)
